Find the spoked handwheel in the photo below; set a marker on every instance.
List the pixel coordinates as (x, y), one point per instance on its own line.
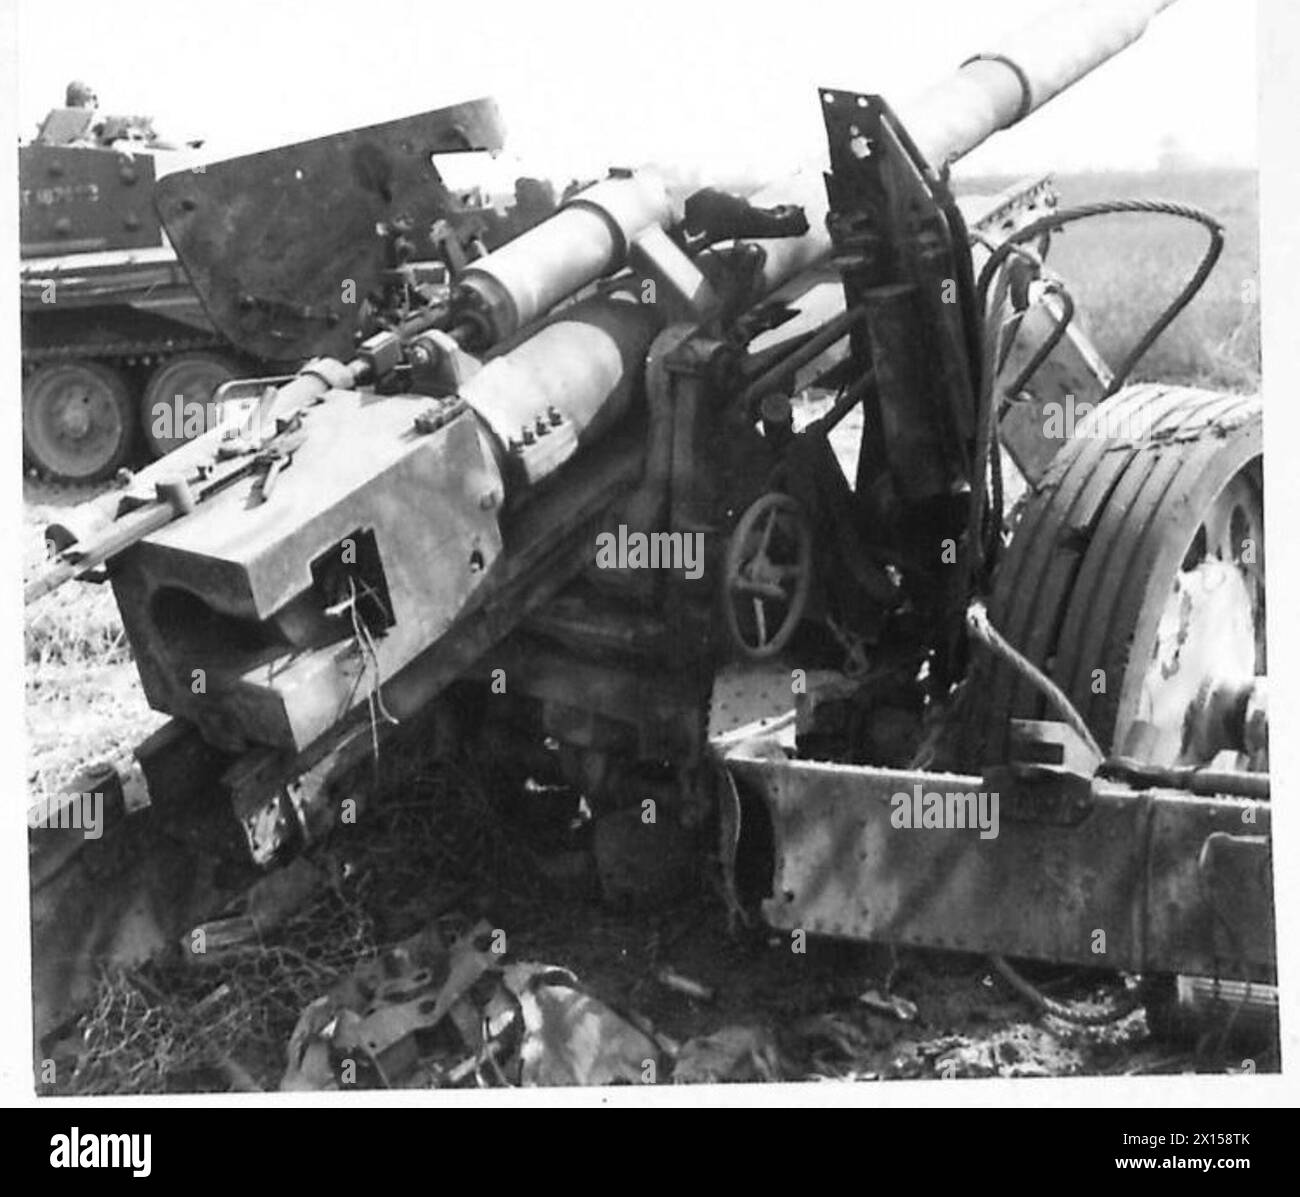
(1135, 577)
(767, 575)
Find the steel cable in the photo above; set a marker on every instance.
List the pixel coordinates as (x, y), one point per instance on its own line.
(988, 454)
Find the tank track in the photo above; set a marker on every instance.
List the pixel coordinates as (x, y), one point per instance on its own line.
(116, 350)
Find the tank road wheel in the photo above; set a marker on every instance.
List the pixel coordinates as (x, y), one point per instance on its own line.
(177, 400)
(1135, 578)
(767, 575)
(78, 421)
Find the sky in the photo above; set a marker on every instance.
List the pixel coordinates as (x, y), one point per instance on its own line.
(710, 85)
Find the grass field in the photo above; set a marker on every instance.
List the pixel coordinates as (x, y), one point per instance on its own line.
(1123, 269)
(83, 701)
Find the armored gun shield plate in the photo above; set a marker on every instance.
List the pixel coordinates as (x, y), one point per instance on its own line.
(283, 245)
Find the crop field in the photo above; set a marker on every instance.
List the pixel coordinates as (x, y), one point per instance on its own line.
(450, 840)
(1123, 269)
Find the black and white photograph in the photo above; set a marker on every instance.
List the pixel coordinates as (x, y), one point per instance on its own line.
(594, 554)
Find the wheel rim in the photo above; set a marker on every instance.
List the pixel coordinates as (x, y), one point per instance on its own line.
(179, 396)
(767, 575)
(74, 421)
(1210, 631)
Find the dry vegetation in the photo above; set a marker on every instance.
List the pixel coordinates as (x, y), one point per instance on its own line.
(83, 702)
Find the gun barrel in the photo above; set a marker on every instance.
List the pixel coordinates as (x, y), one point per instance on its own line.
(995, 89)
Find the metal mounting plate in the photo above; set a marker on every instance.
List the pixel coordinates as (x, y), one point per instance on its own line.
(269, 239)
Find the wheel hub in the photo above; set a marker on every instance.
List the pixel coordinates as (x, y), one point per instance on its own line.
(1205, 638)
(73, 420)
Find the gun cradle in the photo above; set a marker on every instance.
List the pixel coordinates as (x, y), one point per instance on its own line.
(265, 622)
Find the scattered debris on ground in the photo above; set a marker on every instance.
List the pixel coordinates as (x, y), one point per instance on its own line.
(432, 946)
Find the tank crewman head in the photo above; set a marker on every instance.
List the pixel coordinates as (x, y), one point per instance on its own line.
(80, 95)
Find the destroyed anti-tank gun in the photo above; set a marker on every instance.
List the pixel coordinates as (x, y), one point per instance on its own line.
(574, 481)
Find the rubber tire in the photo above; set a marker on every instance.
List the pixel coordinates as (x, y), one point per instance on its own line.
(118, 408)
(1108, 524)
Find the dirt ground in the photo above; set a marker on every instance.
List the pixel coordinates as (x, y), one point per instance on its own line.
(445, 846)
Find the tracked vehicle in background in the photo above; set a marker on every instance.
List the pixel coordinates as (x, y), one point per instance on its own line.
(120, 359)
(111, 327)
